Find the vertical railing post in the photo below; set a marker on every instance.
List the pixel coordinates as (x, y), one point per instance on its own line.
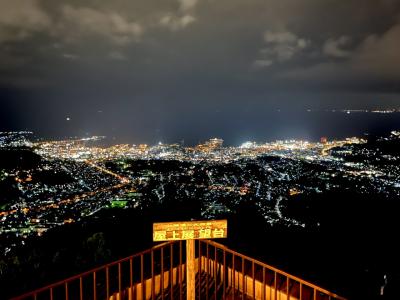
(254, 279)
(263, 284)
(199, 271)
(301, 291)
(152, 274)
(162, 274)
(107, 283)
(119, 282)
(171, 271)
(190, 270)
(66, 291)
(80, 288)
(94, 286)
(207, 269)
(243, 280)
(142, 275)
(131, 277)
(233, 273)
(180, 270)
(224, 274)
(215, 272)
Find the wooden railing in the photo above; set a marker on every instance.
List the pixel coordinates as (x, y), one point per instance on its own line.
(247, 278)
(159, 273)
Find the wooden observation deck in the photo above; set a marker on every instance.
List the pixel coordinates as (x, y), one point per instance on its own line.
(160, 273)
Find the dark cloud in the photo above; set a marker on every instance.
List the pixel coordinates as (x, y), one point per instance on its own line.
(149, 63)
(374, 60)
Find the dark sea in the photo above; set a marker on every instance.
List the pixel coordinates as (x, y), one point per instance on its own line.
(276, 125)
(259, 127)
(232, 126)
(314, 125)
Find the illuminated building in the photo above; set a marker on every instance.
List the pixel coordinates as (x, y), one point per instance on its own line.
(210, 145)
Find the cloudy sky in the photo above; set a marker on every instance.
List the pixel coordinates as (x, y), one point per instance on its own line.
(142, 70)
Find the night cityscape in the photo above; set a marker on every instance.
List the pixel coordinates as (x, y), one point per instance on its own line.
(272, 126)
(52, 183)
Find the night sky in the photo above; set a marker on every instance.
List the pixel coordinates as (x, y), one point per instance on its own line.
(141, 71)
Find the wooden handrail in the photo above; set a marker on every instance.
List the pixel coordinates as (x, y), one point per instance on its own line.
(92, 272)
(271, 268)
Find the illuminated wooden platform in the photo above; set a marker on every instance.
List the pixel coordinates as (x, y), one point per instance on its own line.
(160, 272)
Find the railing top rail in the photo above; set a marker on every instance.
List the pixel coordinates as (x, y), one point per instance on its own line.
(304, 282)
(86, 273)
